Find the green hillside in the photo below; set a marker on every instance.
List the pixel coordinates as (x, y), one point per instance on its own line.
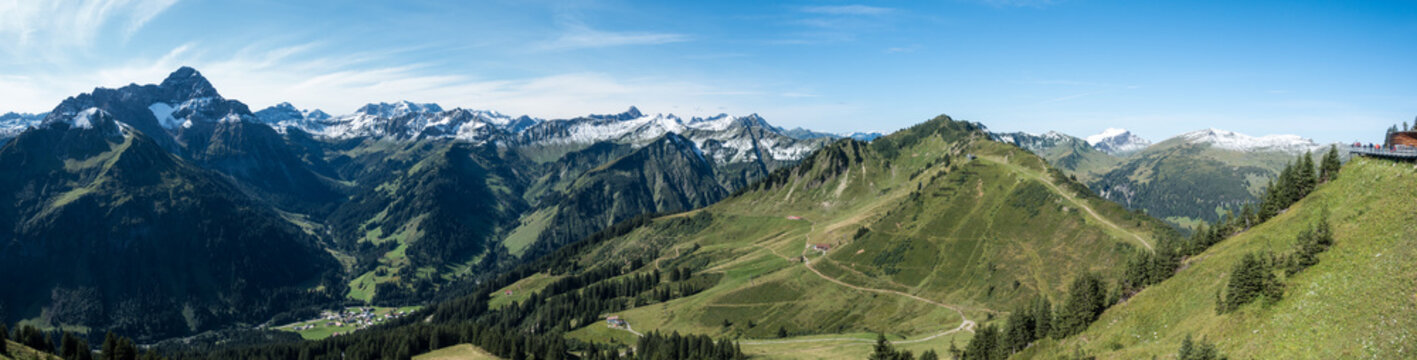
(1356, 302)
(17, 351)
(931, 230)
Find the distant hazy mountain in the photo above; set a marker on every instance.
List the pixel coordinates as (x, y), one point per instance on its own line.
(1196, 175)
(1065, 152)
(1184, 179)
(801, 133)
(12, 124)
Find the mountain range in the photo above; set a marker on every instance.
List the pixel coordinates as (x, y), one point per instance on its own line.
(166, 210)
(241, 215)
(1193, 177)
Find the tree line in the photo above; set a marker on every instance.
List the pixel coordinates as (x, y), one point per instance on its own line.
(1254, 276)
(1087, 298)
(71, 346)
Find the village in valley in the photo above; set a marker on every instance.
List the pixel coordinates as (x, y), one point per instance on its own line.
(342, 322)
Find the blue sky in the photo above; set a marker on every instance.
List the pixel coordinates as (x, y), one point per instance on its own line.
(1329, 70)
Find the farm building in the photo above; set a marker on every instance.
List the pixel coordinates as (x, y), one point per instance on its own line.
(614, 320)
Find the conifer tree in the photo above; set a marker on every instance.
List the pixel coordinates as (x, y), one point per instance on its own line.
(1330, 165)
(984, 346)
(1305, 176)
(4, 339)
(110, 346)
(69, 346)
(1252, 277)
(1086, 300)
(1043, 317)
(929, 355)
(1193, 350)
(883, 349)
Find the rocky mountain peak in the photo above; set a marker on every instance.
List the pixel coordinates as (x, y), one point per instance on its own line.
(188, 83)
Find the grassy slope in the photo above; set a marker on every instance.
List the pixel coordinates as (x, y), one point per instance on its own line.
(1357, 302)
(956, 252)
(20, 352)
(521, 290)
(458, 352)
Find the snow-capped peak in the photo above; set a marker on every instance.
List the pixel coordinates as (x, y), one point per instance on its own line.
(91, 118)
(1117, 141)
(398, 109)
(1236, 141)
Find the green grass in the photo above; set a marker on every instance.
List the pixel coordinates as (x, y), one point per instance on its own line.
(984, 235)
(521, 290)
(392, 264)
(458, 352)
(1357, 302)
(21, 352)
(362, 287)
(528, 230)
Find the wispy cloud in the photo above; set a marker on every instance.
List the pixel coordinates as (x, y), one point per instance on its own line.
(792, 94)
(1019, 3)
(836, 23)
(307, 75)
(847, 10)
(51, 28)
(584, 37)
(902, 49)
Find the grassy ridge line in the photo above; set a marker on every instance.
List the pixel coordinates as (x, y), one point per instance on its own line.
(1074, 200)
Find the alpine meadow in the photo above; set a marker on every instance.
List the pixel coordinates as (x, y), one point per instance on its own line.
(625, 179)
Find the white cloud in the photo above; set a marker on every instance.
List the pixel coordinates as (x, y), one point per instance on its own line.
(1019, 3)
(50, 29)
(847, 10)
(584, 37)
(305, 75)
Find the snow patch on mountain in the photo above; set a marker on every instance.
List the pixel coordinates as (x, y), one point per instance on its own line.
(724, 138)
(398, 109)
(87, 119)
(163, 112)
(1117, 141)
(1231, 140)
(84, 119)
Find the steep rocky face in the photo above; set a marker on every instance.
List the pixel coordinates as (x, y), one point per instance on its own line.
(668, 175)
(108, 230)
